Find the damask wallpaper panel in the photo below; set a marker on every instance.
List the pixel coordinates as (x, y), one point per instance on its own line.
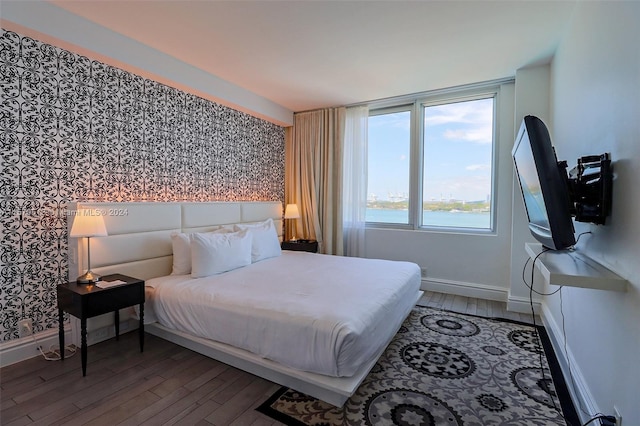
(73, 129)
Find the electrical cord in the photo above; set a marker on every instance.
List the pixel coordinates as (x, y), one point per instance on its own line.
(54, 353)
(573, 382)
(580, 235)
(610, 419)
(544, 250)
(537, 334)
(533, 264)
(594, 417)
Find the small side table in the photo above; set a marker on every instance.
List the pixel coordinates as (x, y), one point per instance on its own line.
(88, 300)
(301, 245)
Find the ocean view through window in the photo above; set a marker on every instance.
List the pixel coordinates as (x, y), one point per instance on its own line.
(389, 147)
(450, 185)
(458, 152)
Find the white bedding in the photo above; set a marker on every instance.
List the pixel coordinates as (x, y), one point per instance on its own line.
(317, 313)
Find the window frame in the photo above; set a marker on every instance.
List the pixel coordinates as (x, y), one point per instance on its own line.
(416, 104)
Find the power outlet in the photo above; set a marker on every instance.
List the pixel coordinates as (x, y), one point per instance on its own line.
(423, 272)
(97, 335)
(617, 415)
(25, 327)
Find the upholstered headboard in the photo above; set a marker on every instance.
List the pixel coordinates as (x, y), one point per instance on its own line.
(139, 240)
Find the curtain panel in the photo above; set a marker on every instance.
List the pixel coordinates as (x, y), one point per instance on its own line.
(354, 180)
(314, 177)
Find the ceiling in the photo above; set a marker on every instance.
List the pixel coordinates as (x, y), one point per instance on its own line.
(306, 55)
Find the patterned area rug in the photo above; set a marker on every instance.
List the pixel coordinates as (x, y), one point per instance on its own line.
(445, 368)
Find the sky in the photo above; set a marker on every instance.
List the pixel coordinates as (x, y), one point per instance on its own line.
(457, 153)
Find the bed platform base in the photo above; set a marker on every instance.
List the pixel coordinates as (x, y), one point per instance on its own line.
(334, 390)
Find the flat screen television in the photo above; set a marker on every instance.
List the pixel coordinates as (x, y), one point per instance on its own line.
(544, 185)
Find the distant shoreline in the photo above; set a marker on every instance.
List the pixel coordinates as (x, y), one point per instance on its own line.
(449, 218)
(442, 206)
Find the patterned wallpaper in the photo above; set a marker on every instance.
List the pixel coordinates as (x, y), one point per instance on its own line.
(77, 129)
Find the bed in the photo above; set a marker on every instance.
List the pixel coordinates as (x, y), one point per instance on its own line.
(312, 322)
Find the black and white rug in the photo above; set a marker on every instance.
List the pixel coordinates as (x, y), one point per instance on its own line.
(445, 368)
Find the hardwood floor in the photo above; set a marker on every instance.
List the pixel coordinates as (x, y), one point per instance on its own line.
(167, 384)
(473, 306)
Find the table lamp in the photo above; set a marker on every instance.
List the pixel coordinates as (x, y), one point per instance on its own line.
(87, 224)
(292, 212)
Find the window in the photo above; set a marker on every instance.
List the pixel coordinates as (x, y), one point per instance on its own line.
(388, 150)
(457, 164)
(431, 163)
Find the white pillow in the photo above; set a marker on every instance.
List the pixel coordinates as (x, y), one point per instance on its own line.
(181, 253)
(265, 240)
(181, 243)
(214, 253)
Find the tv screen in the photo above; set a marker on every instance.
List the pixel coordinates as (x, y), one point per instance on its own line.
(544, 185)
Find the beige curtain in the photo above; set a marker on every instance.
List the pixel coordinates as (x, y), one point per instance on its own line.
(313, 176)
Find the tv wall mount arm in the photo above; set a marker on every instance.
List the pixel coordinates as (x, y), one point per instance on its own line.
(590, 186)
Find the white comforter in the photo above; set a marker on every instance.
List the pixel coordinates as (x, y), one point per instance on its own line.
(317, 313)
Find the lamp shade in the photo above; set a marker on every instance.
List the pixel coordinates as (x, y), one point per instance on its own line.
(88, 223)
(291, 212)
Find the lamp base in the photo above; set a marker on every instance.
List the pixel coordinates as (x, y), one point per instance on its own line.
(88, 278)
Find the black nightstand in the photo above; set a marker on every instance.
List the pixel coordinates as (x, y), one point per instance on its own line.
(301, 245)
(88, 300)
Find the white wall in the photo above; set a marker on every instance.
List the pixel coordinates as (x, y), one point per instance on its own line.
(595, 104)
(468, 264)
(532, 98)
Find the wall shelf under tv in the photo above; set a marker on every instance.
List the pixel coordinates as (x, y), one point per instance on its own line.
(574, 269)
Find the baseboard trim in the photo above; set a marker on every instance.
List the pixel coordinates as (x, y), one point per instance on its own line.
(22, 349)
(522, 305)
(461, 288)
(580, 393)
(97, 334)
(25, 348)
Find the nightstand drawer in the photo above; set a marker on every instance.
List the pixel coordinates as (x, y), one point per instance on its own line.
(110, 299)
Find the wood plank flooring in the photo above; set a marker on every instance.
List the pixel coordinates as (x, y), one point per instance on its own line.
(473, 306)
(165, 385)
